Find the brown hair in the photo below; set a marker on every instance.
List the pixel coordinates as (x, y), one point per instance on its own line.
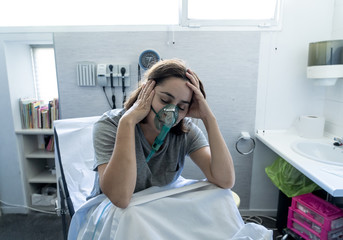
(160, 72)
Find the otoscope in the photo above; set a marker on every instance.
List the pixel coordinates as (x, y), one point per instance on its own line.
(122, 70)
(112, 86)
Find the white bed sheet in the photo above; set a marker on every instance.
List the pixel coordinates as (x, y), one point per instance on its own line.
(190, 210)
(77, 155)
(186, 209)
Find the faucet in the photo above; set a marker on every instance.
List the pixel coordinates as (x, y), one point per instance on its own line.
(338, 141)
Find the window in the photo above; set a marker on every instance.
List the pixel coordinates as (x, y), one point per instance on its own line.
(88, 12)
(230, 12)
(104, 13)
(44, 70)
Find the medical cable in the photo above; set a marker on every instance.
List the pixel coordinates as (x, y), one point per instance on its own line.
(158, 141)
(122, 71)
(112, 86)
(258, 220)
(97, 223)
(139, 75)
(33, 209)
(103, 88)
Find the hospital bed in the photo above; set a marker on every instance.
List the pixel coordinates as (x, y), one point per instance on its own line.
(74, 161)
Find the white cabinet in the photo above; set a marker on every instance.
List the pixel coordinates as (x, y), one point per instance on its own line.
(37, 165)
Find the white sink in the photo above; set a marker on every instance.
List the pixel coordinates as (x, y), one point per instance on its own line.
(322, 152)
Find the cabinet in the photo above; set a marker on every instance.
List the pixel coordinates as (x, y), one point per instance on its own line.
(37, 165)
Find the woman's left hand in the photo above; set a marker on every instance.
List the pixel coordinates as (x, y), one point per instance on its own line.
(199, 107)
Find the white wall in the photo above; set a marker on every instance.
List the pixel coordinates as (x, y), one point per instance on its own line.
(10, 176)
(334, 95)
(284, 92)
(16, 80)
(226, 62)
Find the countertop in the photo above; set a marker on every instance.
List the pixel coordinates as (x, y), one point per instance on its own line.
(329, 177)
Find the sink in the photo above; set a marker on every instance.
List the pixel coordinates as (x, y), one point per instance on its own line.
(322, 152)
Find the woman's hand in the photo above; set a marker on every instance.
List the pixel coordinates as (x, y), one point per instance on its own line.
(215, 161)
(118, 177)
(141, 108)
(199, 107)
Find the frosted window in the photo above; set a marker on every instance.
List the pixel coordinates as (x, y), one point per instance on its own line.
(43, 59)
(87, 13)
(231, 9)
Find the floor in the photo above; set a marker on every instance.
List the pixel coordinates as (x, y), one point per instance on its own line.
(35, 226)
(268, 222)
(40, 226)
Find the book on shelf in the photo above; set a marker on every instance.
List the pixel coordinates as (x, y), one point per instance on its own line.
(35, 114)
(50, 146)
(46, 142)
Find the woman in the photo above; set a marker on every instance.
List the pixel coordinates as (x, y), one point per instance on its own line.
(123, 139)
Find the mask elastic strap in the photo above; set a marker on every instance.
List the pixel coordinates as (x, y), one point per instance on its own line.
(155, 112)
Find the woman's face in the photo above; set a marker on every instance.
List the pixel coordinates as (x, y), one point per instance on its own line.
(172, 91)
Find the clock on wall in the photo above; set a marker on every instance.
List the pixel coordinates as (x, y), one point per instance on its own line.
(148, 58)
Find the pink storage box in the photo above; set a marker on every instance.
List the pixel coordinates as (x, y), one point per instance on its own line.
(314, 218)
(308, 229)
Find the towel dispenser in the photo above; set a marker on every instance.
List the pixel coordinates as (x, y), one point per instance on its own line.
(325, 62)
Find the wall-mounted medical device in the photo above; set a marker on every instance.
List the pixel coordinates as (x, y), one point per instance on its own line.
(148, 58)
(325, 62)
(112, 75)
(85, 74)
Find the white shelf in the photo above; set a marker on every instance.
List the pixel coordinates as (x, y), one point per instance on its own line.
(40, 154)
(43, 177)
(36, 161)
(37, 131)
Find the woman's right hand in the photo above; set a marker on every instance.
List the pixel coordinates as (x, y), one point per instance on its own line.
(118, 177)
(141, 108)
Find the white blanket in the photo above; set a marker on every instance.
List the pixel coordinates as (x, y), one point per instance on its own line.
(186, 209)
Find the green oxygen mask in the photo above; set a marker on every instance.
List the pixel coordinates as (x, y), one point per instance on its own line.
(164, 121)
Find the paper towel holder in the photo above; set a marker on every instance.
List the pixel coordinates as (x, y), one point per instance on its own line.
(325, 62)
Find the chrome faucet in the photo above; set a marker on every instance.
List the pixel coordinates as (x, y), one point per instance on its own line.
(338, 141)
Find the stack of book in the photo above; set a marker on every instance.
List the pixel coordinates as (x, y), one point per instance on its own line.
(35, 114)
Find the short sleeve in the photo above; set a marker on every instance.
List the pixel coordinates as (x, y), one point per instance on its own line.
(195, 138)
(104, 136)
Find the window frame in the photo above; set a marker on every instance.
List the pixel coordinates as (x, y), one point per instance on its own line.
(184, 23)
(273, 23)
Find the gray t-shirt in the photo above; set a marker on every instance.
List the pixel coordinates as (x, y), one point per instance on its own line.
(164, 167)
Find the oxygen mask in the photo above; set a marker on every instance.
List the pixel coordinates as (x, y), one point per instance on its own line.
(164, 121)
(167, 116)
